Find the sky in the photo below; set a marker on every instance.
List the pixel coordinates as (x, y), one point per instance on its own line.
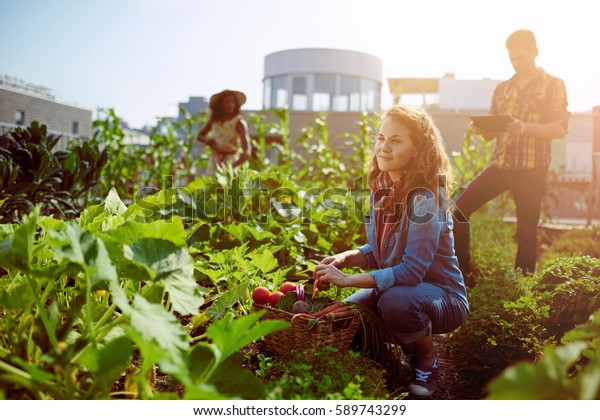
(144, 57)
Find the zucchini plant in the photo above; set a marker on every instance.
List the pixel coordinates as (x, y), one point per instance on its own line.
(86, 301)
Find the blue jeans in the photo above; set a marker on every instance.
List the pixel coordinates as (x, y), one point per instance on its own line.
(412, 312)
(527, 187)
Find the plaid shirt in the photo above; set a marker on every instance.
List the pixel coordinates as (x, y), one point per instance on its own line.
(542, 100)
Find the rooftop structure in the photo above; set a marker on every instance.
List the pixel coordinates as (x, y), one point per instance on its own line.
(321, 79)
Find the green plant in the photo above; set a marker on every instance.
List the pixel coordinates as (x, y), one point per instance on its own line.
(165, 162)
(574, 243)
(503, 327)
(473, 157)
(570, 287)
(121, 168)
(324, 374)
(31, 174)
(568, 371)
(505, 321)
(514, 316)
(79, 298)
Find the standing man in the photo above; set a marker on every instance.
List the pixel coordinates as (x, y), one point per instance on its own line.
(537, 103)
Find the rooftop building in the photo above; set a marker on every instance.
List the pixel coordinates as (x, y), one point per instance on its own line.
(321, 79)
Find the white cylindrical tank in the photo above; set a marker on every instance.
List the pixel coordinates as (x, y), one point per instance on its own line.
(321, 79)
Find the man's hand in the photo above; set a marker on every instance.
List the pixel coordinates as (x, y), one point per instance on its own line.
(487, 135)
(517, 127)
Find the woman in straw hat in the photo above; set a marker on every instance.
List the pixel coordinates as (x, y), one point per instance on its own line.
(229, 141)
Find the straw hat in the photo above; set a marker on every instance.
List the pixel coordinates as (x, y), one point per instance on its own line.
(239, 97)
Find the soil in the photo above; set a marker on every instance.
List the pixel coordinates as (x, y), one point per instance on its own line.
(453, 385)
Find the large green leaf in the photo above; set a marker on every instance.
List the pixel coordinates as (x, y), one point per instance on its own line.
(227, 380)
(161, 332)
(587, 331)
(226, 300)
(91, 217)
(49, 223)
(156, 256)
(75, 245)
(216, 368)
(171, 230)
(236, 230)
(17, 297)
(111, 222)
(264, 260)
(113, 204)
(546, 379)
(7, 229)
(197, 379)
(237, 382)
(171, 265)
(16, 251)
(590, 379)
(230, 335)
(108, 362)
(213, 275)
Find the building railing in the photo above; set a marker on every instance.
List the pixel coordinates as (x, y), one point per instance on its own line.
(23, 86)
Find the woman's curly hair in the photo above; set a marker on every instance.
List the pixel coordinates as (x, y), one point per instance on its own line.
(430, 169)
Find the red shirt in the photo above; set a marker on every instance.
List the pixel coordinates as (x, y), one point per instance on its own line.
(385, 212)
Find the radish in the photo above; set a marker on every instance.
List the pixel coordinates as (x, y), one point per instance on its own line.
(261, 295)
(287, 287)
(300, 306)
(275, 296)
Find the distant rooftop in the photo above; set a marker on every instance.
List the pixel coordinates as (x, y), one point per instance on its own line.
(20, 85)
(445, 92)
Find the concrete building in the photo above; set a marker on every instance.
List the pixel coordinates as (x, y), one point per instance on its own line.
(195, 105)
(446, 93)
(322, 80)
(22, 103)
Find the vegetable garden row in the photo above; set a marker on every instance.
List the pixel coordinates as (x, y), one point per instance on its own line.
(121, 266)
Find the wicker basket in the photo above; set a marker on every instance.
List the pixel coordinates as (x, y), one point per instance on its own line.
(335, 330)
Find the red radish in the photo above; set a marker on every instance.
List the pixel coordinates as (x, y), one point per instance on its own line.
(286, 287)
(300, 306)
(275, 298)
(261, 295)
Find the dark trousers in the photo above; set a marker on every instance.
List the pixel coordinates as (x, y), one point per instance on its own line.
(527, 187)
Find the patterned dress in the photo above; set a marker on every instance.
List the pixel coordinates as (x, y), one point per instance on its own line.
(228, 143)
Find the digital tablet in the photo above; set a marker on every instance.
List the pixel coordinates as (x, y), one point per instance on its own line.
(491, 122)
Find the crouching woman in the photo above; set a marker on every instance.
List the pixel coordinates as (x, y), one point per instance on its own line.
(413, 281)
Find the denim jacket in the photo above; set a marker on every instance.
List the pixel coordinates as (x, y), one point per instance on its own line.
(419, 247)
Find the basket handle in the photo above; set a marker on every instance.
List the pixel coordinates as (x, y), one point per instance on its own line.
(335, 316)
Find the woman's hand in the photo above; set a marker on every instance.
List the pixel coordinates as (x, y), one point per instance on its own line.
(335, 260)
(329, 273)
(209, 142)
